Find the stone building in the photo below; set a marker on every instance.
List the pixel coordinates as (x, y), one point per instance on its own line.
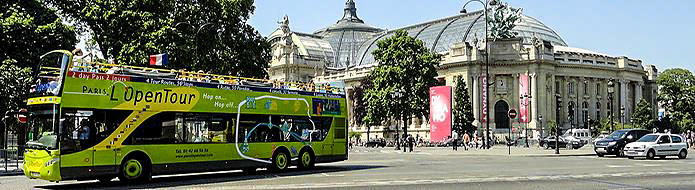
(555, 70)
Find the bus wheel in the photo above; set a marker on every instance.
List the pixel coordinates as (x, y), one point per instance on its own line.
(281, 161)
(134, 170)
(306, 160)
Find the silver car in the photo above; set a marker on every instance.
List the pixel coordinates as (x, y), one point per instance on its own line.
(659, 144)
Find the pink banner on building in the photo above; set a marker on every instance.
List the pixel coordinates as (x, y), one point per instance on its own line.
(523, 103)
(483, 111)
(440, 113)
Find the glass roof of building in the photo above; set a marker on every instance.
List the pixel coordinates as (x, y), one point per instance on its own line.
(440, 35)
(347, 36)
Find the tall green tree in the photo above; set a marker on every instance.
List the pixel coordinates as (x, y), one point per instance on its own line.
(463, 109)
(360, 108)
(28, 29)
(209, 35)
(677, 95)
(643, 116)
(406, 67)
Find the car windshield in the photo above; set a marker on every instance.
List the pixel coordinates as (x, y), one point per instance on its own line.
(648, 138)
(618, 134)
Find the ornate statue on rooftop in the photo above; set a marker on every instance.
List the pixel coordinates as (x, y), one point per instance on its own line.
(502, 20)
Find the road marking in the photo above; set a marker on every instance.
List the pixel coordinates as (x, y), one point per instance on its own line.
(618, 166)
(650, 165)
(362, 183)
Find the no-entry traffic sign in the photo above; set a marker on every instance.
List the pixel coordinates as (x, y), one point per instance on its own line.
(512, 114)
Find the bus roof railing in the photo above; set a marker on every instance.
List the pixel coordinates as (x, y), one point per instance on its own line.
(200, 76)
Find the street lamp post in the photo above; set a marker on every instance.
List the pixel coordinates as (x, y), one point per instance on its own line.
(4, 144)
(558, 100)
(622, 116)
(525, 104)
(397, 95)
(540, 122)
(486, 142)
(195, 36)
(611, 90)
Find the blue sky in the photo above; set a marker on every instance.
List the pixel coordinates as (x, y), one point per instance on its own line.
(657, 32)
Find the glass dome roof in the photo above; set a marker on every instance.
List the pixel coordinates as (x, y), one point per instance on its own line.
(440, 35)
(347, 36)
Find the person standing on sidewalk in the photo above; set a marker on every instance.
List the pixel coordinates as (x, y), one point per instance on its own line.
(455, 141)
(466, 140)
(411, 142)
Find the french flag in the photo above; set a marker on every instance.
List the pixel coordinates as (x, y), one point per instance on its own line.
(159, 59)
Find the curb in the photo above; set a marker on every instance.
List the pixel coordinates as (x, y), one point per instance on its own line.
(12, 173)
(559, 155)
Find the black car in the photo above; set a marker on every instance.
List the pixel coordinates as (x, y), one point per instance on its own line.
(616, 141)
(549, 143)
(374, 144)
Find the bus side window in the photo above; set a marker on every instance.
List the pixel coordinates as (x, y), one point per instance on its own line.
(158, 129)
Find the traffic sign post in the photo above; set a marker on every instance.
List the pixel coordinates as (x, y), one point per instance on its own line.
(512, 115)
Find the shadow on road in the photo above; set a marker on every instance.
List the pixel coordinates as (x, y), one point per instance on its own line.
(206, 178)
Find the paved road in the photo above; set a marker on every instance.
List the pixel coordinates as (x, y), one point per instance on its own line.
(431, 169)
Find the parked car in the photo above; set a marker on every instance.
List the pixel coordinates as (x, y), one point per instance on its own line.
(616, 141)
(450, 142)
(583, 135)
(376, 143)
(660, 145)
(549, 143)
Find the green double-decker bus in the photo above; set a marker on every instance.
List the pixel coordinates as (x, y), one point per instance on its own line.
(102, 121)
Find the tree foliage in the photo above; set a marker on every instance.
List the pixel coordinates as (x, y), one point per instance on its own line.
(550, 128)
(16, 82)
(28, 29)
(463, 109)
(643, 116)
(209, 35)
(405, 66)
(360, 109)
(677, 95)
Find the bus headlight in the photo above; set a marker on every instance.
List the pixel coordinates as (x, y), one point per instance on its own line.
(52, 161)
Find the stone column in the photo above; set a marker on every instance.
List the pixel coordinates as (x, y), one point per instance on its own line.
(475, 83)
(623, 101)
(638, 92)
(534, 100)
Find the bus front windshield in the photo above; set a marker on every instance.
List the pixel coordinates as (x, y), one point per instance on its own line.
(42, 130)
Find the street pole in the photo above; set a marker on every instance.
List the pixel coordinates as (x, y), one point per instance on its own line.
(486, 137)
(622, 117)
(611, 89)
(540, 122)
(4, 146)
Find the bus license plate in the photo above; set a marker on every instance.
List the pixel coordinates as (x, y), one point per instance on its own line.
(36, 174)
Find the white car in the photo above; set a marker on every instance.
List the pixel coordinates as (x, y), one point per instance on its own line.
(659, 144)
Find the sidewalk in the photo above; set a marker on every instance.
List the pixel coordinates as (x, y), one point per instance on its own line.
(499, 150)
(14, 167)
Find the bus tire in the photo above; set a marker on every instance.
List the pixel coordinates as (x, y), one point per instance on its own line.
(135, 168)
(306, 160)
(280, 161)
